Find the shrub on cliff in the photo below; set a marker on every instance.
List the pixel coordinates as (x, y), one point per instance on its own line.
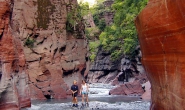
(29, 42)
(75, 16)
(93, 48)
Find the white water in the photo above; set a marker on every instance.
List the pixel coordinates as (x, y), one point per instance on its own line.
(99, 89)
(99, 100)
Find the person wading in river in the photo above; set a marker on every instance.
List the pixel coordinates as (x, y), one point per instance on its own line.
(74, 90)
(84, 92)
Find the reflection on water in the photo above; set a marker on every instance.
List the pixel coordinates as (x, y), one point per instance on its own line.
(99, 100)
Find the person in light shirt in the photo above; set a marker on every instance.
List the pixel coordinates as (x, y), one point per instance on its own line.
(84, 92)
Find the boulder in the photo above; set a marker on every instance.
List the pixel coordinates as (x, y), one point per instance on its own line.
(133, 88)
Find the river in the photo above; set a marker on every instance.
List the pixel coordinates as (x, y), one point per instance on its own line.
(99, 100)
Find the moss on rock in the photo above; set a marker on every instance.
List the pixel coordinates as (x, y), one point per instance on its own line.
(45, 9)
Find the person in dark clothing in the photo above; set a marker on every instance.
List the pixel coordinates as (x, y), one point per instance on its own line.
(74, 90)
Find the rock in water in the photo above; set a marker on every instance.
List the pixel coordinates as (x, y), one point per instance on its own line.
(161, 28)
(14, 92)
(131, 88)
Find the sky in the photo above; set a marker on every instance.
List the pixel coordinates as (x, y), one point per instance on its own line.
(91, 2)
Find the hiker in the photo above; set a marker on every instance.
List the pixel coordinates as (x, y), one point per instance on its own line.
(74, 90)
(84, 92)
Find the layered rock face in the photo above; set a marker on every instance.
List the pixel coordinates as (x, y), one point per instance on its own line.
(128, 75)
(14, 92)
(54, 57)
(161, 28)
(103, 69)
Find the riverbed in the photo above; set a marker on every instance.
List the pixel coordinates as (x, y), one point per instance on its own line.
(99, 100)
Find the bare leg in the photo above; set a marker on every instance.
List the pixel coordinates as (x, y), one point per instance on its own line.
(73, 99)
(82, 99)
(87, 99)
(76, 101)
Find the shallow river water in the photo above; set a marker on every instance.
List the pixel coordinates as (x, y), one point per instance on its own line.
(99, 100)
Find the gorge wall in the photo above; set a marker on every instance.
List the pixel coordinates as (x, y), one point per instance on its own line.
(39, 56)
(14, 91)
(126, 73)
(125, 68)
(161, 28)
(55, 55)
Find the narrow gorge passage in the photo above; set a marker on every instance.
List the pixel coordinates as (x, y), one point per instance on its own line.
(99, 100)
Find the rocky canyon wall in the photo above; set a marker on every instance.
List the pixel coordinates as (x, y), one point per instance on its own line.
(127, 74)
(122, 69)
(54, 56)
(161, 28)
(14, 91)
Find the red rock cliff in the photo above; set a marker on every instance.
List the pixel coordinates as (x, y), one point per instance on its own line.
(55, 56)
(14, 92)
(161, 28)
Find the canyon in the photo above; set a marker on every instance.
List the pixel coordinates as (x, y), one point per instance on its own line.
(42, 50)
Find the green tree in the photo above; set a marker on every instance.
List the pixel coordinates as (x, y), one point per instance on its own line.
(121, 37)
(83, 8)
(93, 47)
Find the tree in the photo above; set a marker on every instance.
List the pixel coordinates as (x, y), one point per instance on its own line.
(121, 37)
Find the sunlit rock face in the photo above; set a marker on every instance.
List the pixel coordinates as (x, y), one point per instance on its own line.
(54, 57)
(14, 92)
(161, 28)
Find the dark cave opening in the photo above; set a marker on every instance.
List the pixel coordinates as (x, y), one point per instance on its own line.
(67, 73)
(48, 96)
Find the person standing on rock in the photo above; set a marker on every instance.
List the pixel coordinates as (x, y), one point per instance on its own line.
(84, 92)
(74, 90)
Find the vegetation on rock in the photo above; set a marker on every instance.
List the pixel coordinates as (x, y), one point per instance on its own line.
(45, 9)
(93, 47)
(121, 37)
(29, 42)
(75, 23)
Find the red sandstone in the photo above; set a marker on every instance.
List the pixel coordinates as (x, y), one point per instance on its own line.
(14, 90)
(161, 27)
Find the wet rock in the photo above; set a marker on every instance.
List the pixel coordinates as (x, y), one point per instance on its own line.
(128, 89)
(160, 28)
